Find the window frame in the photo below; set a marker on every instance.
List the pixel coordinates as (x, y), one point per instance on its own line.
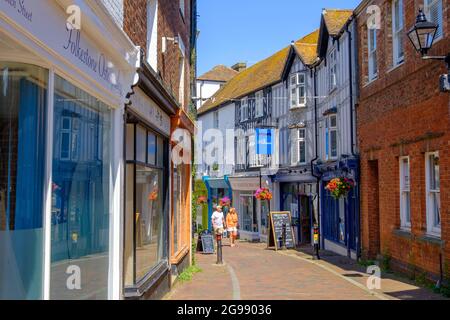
(332, 71)
(405, 190)
(328, 130)
(244, 109)
(427, 4)
(372, 54)
(259, 104)
(299, 141)
(397, 35)
(216, 119)
(433, 229)
(297, 85)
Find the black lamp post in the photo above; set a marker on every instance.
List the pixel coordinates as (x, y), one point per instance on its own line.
(422, 36)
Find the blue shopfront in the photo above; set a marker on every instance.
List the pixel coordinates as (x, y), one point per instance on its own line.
(340, 224)
(217, 188)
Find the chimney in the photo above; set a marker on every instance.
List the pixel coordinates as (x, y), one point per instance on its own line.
(239, 66)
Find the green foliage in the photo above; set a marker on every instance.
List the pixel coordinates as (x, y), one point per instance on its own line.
(188, 273)
(367, 263)
(386, 261)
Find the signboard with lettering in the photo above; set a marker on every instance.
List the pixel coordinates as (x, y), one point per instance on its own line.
(149, 110)
(77, 51)
(208, 244)
(281, 231)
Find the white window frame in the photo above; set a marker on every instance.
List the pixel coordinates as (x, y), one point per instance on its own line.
(429, 6)
(301, 140)
(244, 109)
(433, 228)
(328, 130)
(397, 34)
(295, 85)
(216, 119)
(372, 53)
(259, 104)
(405, 194)
(65, 131)
(333, 72)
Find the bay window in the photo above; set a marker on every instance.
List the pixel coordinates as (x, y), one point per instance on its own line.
(301, 146)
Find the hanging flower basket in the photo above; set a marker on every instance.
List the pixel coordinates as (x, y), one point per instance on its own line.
(340, 187)
(225, 202)
(202, 200)
(263, 194)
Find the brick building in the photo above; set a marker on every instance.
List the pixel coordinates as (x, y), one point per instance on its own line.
(403, 129)
(165, 31)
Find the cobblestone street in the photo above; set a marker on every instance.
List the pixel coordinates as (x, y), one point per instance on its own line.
(251, 272)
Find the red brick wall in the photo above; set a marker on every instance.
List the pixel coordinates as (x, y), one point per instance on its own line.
(170, 24)
(402, 113)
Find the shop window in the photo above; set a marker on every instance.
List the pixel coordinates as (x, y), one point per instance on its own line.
(23, 107)
(81, 193)
(433, 194)
(145, 206)
(405, 194)
(249, 215)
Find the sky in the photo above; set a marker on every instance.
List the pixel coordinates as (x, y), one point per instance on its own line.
(249, 31)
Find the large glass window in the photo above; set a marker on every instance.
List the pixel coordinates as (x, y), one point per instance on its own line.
(249, 218)
(145, 203)
(23, 100)
(81, 195)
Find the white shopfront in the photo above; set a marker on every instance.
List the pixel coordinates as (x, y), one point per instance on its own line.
(62, 97)
(252, 212)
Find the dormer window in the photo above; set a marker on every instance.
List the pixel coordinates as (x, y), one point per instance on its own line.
(298, 90)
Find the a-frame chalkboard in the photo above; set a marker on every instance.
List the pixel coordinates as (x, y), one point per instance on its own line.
(277, 219)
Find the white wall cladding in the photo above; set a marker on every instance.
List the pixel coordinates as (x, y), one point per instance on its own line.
(115, 8)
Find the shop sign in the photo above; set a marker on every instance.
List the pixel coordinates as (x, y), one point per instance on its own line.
(149, 111)
(46, 20)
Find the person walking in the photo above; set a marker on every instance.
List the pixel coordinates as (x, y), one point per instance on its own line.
(218, 221)
(232, 225)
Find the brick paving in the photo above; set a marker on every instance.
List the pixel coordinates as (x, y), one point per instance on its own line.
(261, 274)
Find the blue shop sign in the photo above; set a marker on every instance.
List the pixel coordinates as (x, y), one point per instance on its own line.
(265, 141)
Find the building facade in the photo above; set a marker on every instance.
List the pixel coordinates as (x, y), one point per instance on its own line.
(158, 173)
(403, 127)
(64, 89)
(337, 153)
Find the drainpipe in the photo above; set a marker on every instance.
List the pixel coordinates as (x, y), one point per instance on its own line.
(352, 130)
(316, 132)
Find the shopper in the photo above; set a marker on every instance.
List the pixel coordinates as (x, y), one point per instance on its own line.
(232, 225)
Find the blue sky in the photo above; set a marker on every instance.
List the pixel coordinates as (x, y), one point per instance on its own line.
(251, 30)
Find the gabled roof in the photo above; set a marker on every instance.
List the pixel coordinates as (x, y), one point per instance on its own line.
(305, 49)
(335, 20)
(219, 73)
(332, 24)
(254, 78)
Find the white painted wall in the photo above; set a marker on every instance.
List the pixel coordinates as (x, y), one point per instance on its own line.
(206, 89)
(226, 121)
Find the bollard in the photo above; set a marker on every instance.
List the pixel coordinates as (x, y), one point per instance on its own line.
(284, 237)
(219, 249)
(316, 243)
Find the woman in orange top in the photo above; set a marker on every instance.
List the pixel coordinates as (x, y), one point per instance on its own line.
(232, 225)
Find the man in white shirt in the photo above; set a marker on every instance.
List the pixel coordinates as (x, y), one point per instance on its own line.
(218, 221)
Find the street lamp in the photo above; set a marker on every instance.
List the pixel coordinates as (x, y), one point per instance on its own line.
(422, 36)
